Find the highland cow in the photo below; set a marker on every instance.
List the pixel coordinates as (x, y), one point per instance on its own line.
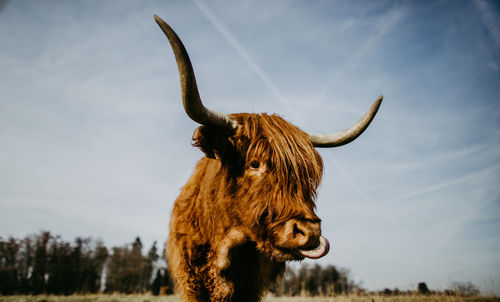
(249, 206)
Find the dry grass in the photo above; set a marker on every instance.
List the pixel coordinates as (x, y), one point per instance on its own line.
(90, 298)
(355, 298)
(150, 298)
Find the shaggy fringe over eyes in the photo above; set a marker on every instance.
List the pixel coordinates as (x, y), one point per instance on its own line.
(289, 155)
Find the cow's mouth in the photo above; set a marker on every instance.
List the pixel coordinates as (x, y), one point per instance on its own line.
(317, 252)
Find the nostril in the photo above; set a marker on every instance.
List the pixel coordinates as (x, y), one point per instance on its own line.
(297, 231)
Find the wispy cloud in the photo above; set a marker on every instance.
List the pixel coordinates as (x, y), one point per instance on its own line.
(490, 19)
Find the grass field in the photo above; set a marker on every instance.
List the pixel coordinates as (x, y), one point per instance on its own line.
(149, 298)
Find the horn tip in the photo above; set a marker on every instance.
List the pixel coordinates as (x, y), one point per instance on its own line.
(158, 19)
(378, 101)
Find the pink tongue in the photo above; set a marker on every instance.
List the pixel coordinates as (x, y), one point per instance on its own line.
(320, 251)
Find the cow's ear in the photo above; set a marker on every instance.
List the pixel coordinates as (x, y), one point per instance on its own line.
(213, 141)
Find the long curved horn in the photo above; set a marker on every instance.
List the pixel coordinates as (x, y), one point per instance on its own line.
(348, 135)
(190, 96)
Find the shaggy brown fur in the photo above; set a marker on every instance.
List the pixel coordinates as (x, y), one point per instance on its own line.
(247, 208)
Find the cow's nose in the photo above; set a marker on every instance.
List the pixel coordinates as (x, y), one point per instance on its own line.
(304, 234)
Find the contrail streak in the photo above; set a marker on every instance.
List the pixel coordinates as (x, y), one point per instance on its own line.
(383, 26)
(244, 55)
(443, 185)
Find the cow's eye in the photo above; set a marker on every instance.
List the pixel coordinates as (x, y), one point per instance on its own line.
(255, 164)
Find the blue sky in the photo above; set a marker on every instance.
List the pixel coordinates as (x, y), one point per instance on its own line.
(94, 140)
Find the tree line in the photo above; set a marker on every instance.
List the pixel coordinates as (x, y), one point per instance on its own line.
(330, 281)
(463, 289)
(315, 281)
(44, 263)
